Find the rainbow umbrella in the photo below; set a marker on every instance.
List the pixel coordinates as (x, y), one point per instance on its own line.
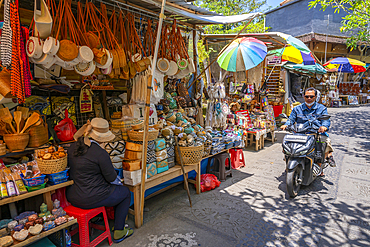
(346, 65)
(292, 54)
(242, 54)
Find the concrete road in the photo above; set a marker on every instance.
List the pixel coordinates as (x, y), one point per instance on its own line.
(253, 209)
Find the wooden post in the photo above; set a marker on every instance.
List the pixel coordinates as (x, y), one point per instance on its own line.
(195, 53)
(146, 116)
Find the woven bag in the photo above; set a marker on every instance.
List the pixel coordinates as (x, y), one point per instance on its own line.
(39, 135)
(67, 50)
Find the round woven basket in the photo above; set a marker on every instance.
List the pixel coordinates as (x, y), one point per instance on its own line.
(190, 155)
(138, 126)
(139, 136)
(39, 135)
(67, 50)
(16, 142)
(52, 166)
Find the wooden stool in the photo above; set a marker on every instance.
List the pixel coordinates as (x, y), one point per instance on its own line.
(251, 139)
(83, 217)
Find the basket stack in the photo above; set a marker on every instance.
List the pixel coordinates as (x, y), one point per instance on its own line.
(123, 125)
(137, 133)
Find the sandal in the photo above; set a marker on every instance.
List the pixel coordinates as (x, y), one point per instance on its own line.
(120, 235)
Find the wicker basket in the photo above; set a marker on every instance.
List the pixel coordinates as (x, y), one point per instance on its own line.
(52, 166)
(2, 149)
(16, 142)
(190, 155)
(138, 126)
(139, 136)
(39, 135)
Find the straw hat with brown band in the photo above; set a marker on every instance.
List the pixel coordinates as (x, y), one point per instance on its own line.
(97, 129)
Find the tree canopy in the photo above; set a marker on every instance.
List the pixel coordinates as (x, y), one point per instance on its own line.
(355, 23)
(233, 7)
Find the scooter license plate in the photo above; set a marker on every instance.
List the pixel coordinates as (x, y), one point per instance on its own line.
(296, 138)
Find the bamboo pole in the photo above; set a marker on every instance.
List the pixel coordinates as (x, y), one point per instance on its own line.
(146, 116)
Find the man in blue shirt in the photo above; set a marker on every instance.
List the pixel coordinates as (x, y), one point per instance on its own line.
(301, 113)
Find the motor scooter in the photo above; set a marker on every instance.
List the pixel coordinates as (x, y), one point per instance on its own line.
(303, 152)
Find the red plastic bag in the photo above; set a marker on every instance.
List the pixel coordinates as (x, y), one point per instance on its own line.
(208, 182)
(65, 129)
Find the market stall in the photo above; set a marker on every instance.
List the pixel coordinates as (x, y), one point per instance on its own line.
(111, 60)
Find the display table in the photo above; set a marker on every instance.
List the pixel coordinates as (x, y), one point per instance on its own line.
(158, 179)
(164, 177)
(256, 137)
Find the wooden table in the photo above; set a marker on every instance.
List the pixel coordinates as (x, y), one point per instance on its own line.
(159, 179)
(253, 138)
(46, 192)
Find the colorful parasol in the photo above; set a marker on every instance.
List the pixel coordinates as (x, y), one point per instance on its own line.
(242, 54)
(292, 54)
(294, 42)
(308, 69)
(346, 65)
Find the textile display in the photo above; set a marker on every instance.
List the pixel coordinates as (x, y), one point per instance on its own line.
(151, 157)
(160, 144)
(170, 151)
(161, 155)
(151, 169)
(162, 166)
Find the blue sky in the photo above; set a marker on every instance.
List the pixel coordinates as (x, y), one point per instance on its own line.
(273, 3)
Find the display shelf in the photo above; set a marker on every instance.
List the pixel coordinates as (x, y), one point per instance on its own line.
(34, 193)
(33, 239)
(26, 151)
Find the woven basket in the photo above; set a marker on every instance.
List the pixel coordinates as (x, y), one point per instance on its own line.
(39, 135)
(2, 149)
(138, 126)
(52, 166)
(190, 155)
(139, 136)
(16, 142)
(67, 50)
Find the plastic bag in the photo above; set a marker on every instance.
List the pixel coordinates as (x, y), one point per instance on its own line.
(208, 182)
(65, 129)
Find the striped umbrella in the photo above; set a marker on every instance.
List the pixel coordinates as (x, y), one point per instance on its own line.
(242, 54)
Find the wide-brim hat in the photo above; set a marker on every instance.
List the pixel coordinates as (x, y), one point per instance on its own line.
(100, 130)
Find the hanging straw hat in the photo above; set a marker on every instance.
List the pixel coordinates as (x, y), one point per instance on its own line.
(97, 129)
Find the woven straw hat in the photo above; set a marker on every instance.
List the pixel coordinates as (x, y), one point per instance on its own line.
(100, 130)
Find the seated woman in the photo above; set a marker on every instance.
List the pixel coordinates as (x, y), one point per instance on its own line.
(93, 174)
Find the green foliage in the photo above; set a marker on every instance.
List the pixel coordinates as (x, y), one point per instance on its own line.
(355, 23)
(233, 7)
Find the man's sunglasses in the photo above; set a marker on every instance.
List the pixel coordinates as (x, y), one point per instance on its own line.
(309, 96)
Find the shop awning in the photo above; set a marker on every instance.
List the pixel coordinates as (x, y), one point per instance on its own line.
(306, 69)
(203, 19)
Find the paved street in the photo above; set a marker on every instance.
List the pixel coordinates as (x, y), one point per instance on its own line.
(252, 208)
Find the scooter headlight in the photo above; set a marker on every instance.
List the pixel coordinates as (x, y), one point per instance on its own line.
(303, 152)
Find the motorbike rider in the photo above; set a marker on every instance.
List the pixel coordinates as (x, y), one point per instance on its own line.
(302, 112)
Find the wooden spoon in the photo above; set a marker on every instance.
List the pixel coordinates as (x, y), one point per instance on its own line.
(31, 121)
(8, 118)
(17, 119)
(24, 111)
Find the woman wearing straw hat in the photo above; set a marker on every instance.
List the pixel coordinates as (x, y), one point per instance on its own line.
(94, 177)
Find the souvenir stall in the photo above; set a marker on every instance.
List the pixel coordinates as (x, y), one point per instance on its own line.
(78, 61)
(346, 79)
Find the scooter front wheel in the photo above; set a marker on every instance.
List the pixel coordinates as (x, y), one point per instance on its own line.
(293, 180)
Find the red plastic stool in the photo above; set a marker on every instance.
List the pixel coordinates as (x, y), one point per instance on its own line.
(237, 158)
(83, 217)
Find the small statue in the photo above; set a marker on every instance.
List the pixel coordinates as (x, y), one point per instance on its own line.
(44, 210)
(58, 211)
(56, 204)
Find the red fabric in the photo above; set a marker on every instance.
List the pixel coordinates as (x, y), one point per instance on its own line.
(60, 194)
(208, 182)
(65, 129)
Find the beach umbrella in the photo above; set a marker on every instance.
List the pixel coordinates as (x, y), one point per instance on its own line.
(310, 69)
(294, 42)
(292, 54)
(346, 65)
(242, 54)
